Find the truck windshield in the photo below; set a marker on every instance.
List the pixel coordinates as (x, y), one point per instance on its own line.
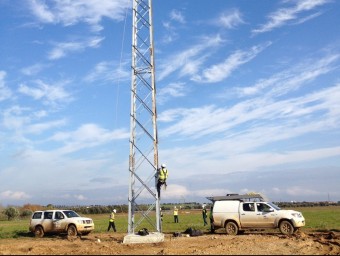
(274, 206)
(71, 214)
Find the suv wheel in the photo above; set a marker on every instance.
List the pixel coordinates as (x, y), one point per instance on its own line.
(39, 231)
(231, 228)
(72, 231)
(286, 227)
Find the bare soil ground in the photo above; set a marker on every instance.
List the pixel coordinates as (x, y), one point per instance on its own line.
(249, 243)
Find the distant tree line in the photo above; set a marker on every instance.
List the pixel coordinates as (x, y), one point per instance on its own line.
(306, 204)
(12, 212)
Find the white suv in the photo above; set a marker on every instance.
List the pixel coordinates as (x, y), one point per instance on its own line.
(60, 221)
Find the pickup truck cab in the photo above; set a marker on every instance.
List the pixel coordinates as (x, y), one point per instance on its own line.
(238, 213)
(60, 221)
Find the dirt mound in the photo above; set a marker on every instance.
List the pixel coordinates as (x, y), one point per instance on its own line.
(213, 244)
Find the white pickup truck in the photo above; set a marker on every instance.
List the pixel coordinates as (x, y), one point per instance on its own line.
(237, 213)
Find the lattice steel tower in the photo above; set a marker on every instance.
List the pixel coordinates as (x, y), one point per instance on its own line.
(143, 162)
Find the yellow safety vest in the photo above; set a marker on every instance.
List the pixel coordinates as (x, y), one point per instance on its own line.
(112, 217)
(163, 174)
(176, 212)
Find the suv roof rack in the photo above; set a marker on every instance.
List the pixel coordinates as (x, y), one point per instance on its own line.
(249, 196)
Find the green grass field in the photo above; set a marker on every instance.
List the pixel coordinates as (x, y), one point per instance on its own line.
(321, 218)
(317, 219)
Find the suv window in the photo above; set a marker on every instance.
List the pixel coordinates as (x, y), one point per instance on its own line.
(71, 214)
(59, 215)
(48, 215)
(37, 215)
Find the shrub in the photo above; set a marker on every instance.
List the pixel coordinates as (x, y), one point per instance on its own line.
(11, 212)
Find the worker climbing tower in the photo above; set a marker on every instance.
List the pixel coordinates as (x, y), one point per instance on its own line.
(143, 161)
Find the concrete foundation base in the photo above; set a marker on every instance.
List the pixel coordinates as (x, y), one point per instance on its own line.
(152, 237)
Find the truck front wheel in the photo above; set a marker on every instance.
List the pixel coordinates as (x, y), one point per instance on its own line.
(72, 231)
(39, 231)
(286, 227)
(231, 228)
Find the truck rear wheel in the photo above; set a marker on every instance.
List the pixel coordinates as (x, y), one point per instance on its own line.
(286, 227)
(231, 228)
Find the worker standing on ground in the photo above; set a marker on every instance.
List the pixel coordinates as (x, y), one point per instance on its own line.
(112, 221)
(162, 175)
(176, 214)
(211, 217)
(204, 215)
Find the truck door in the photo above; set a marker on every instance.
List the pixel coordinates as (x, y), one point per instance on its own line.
(48, 221)
(266, 215)
(248, 215)
(59, 221)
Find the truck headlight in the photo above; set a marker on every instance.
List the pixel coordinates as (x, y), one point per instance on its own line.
(296, 215)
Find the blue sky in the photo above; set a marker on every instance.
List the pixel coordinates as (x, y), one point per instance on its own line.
(248, 99)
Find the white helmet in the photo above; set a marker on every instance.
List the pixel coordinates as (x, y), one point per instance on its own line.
(163, 166)
(114, 210)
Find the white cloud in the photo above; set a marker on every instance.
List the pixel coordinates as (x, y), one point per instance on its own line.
(192, 54)
(72, 12)
(80, 197)
(284, 15)
(291, 79)
(310, 17)
(177, 15)
(229, 19)
(2, 78)
(24, 121)
(221, 71)
(16, 195)
(172, 90)
(87, 136)
(169, 37)
(171, 31)
(41, 127)
(300, 191)
(228, 156)
(109, 71)
(13, 118)
(50, 94)
(34, 69)
(5, 92)
(211, 192)
(41, 11)
(62, 49)
(208, 120)
(175, 191)
(249, 126)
